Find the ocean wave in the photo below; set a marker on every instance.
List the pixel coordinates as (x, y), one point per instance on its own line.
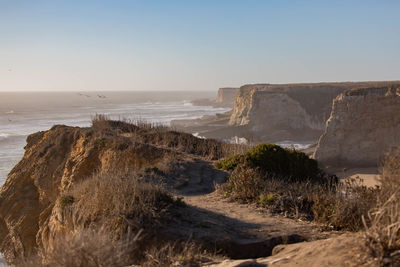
(187, 103)
(294, 145)
(236, 140)
(10, 112)
(199, 136)
(5, 136)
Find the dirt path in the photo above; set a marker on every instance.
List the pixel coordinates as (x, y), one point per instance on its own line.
(241, 230)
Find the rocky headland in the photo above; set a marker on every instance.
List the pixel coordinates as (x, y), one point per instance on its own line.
(150, 190)
(123, 180)
(120, 194)
(226, 98)
(275, 112)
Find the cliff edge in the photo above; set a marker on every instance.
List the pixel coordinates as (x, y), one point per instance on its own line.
(363, 125)
(38, 188)
(276, 112)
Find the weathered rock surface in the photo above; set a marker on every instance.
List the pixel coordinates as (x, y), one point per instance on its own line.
(53, 161)
(364, 124)
(271, 112)
(57, 159)
(344, 250)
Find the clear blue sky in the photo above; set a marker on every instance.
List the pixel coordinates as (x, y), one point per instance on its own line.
(194, 45)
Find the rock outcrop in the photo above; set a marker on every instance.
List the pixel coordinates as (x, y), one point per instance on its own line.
(272, 112)
(227, 96)
(57, 159)
(363, 125)
(344, 250)
(53, 161)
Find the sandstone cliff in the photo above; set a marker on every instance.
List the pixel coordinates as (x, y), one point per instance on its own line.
(271, 112)
(58, 159)
(225, 98)
(73, 183)
(363, 125)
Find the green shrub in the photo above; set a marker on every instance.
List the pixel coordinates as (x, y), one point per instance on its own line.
(229, 164)
(288, 182)
(275, 160)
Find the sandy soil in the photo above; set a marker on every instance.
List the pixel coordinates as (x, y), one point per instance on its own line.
(255, 236)
(368, 176)
(241, 230)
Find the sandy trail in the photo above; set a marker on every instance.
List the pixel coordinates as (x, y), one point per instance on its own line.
(244, 230)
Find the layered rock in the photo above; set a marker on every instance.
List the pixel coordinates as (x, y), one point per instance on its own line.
(57, 159)
(54, 160)
(364, 124)
(271, 112)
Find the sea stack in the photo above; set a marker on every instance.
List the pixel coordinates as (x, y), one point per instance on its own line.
(227, 96)
(363, 125)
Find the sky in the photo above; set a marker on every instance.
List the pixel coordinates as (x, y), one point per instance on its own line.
(144, 45)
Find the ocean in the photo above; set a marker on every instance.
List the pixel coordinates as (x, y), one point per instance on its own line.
(23, 113)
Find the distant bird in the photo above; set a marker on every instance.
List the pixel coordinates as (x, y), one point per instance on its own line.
(101, 96)
(9, 120)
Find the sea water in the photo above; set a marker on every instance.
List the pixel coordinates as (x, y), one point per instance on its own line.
(25, 113)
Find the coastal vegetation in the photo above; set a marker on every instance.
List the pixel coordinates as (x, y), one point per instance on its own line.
(286, 181)
(119, 203)
(383, 226)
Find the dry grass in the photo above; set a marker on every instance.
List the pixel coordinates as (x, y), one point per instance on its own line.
(85, 248)
(88, 248)
(118, 201)
(338, 205)
(343, 206)
(163, 136)
(186, 254)
(383, 231)
(113, 220)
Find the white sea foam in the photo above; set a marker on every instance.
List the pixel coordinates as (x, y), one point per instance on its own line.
(4, 136)
(199, 136)
(48, 109)
(294, 145)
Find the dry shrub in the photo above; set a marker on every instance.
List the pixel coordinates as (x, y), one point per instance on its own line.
(118, 201)
(383, 231)
(339, 205)
(88, 248)
(344, 206)
(113, 220)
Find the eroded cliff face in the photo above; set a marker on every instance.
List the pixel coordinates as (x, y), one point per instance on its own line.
(54, 160)
(271, 112)
(58, 159)
(364, 124)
